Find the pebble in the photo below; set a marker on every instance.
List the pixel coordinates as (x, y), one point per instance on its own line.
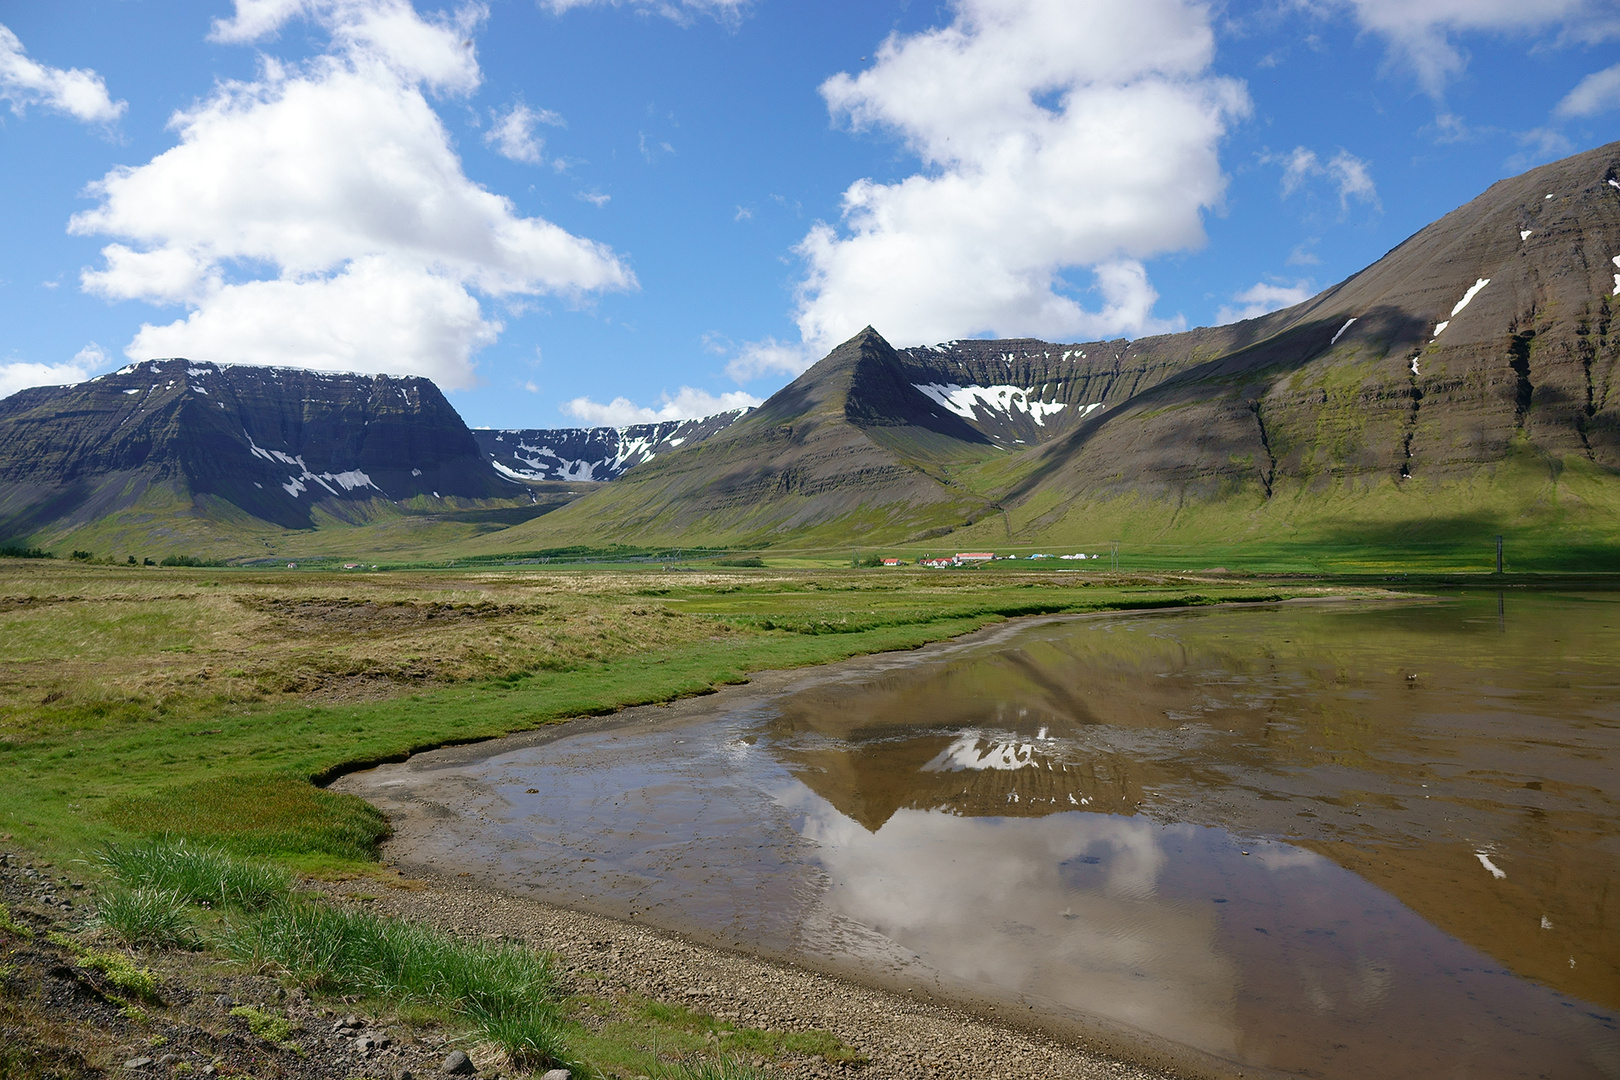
(457, 1064)
(557, 1074)
(138, 1063)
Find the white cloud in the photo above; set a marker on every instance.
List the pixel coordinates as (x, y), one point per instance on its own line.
(1420, 32)
(1053, 136)
(79, 93)
(376, 315)
(1598, 93)
(687, 404)
(513, 135)
(339, 180)
(437, 51)
(1260, 299)
(19, 376)
(770, 357)
(727, 11)
(1351, 176)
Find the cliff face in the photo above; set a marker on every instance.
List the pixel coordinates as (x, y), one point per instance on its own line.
(591, 454)
(272, 443)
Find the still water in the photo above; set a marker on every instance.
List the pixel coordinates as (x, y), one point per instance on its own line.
(1340, 840)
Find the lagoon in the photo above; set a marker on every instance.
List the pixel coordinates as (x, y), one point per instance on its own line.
(1337, 840)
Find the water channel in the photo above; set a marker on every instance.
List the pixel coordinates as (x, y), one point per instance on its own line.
(1336, 840)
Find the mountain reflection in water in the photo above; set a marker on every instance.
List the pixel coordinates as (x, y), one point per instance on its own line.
(1345, 841)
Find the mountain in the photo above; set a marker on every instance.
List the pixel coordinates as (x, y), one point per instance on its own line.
(280, 446)
(1463, 383)
(591, 454)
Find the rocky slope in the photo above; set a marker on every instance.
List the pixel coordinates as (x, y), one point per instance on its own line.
(272, 444)
(1466, 377)
(591, 454)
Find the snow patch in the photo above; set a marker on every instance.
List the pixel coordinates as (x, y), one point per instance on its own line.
(416, 472)
(1485, 861)
(136, 390)
(348, 481)
(962, 400)
(1342, 329)
(969, 752)
(1414, 365)
(1472, 292)
(1439, 327)
(196, 372)
(1524, 234)
(199, 389)
(1614, 183)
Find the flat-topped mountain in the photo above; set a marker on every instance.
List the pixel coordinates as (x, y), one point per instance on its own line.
(272, 444)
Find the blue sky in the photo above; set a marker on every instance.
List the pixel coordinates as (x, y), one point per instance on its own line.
(586, 211)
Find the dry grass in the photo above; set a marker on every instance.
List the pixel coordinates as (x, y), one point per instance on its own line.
(93, 646)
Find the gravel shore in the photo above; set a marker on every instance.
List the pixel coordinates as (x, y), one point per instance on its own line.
(905, 1038)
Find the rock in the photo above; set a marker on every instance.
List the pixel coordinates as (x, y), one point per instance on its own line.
(168, 1059)
(557, 1074)
(404, 1074)
(457, 1064)
(223, 1001)
(138, 1063)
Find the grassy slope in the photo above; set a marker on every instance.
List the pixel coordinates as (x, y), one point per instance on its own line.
(202, 702)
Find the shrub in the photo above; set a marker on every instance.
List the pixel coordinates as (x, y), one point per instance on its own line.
(14, 551)
(186, 560)
(82, 556)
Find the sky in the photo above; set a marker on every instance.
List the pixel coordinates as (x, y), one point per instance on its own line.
(583, 212)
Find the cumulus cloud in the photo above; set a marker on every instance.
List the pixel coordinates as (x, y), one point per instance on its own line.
(686, 404)
(1598, 93)
(1260, 299)
(1421, 33)
(319, 216)
(770, 357)
(1350, 175)
(436, 51)
(19, 376)
(1054, 137)
(513, 135)
(79, 93)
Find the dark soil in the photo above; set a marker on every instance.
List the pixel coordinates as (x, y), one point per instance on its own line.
(63, 1020)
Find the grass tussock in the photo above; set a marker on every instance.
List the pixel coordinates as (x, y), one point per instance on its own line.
(154, 917)
(724, 1068)
(174, 871)
(338, 951)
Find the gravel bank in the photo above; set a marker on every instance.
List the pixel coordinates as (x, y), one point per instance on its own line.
(905, 1038)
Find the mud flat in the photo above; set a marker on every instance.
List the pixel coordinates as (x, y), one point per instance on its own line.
(1303, 838)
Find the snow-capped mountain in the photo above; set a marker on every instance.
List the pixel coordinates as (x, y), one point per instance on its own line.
(593, 454)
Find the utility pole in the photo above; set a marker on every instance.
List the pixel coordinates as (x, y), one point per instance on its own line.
(1498, 554)
(1113, 554)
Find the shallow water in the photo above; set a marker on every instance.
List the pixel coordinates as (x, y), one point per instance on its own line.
(1338, 840)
